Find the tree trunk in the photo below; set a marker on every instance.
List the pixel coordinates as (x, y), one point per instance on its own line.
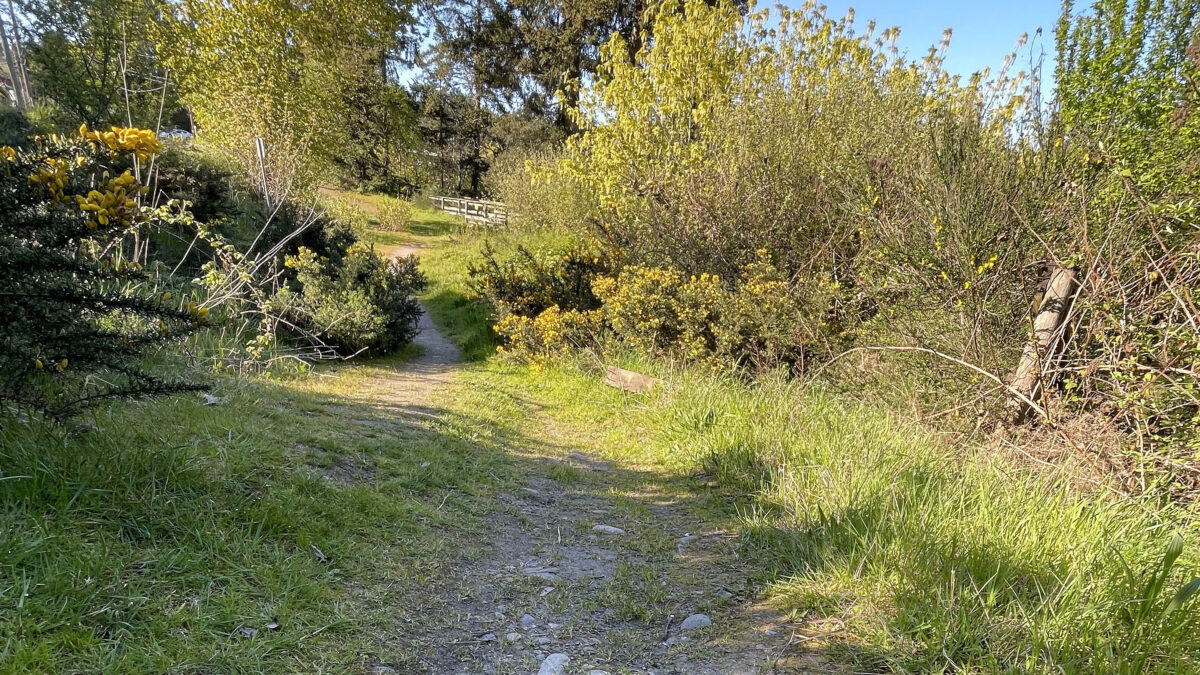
(1049, 338)
(19, 55)
(12, 67)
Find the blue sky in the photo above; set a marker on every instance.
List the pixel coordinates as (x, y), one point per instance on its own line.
(984, 32)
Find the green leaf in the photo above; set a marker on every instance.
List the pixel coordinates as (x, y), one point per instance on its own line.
(1174, 549)
(1181, 597)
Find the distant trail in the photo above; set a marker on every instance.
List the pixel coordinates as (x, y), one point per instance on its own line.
(407, 389)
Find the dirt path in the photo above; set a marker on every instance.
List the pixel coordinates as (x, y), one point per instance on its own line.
(407, 390)
(576, 572)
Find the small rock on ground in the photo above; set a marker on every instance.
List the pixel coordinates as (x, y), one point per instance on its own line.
(695, 621)
(607, 529)
(555, 664)
(528, 621)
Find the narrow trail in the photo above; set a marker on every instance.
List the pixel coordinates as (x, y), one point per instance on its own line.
(408, 389)
(554, 584)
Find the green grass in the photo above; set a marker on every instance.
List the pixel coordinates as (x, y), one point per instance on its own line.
(893, 548)
(146, 542)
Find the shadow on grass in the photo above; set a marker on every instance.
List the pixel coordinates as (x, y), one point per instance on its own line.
(279, 530)
(953, 598)
(433, 224)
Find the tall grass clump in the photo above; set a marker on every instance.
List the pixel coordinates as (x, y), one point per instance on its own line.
(906, 553)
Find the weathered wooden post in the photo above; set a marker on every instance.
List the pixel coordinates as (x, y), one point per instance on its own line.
(1049, 332)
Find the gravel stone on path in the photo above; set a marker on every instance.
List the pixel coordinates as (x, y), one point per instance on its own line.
(555, 664)
(695, 621)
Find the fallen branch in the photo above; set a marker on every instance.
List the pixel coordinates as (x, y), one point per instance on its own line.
(933, 352)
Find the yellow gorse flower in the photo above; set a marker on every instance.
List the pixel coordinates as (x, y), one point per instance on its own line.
(141, 142)
(113, 203)
(52, 174)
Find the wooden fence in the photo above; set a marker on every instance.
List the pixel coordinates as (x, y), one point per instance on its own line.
(475, 211)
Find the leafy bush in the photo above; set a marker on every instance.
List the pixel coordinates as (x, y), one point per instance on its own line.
(530, 282)
(825, 146)
(14, 127)
(762, 319)
(931, 205)
(347, 212)
(81, 312)
(363, 304)
(536, 197)
(394, 214)
(186, 174)
(1127, 87)
(551, 335)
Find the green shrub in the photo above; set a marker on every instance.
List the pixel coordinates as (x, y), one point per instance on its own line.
(1126, 86)
(551, 335)
(186, 174)
(363, 304)
(394, 214)
(531, 282)
(536, 198)
(932, 204)
(80, 311)
(15, 127)
(347, 212)
(761, 319)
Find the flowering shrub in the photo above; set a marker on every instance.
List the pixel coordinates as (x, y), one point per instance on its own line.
(552, 334)
(140, 143)
(80, 311)
(531, 282)
(761, 320)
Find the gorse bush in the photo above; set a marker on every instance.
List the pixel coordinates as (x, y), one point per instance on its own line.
(761, 319)
(532, 281)
(845, 161)
(81, 313)
(365, 304)
(543, 300)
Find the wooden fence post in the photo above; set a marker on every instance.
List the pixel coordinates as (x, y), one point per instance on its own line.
(1049, 339)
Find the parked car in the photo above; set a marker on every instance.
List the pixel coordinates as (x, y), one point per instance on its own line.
(177, 134)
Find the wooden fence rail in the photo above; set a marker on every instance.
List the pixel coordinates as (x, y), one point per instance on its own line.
(474, 211)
